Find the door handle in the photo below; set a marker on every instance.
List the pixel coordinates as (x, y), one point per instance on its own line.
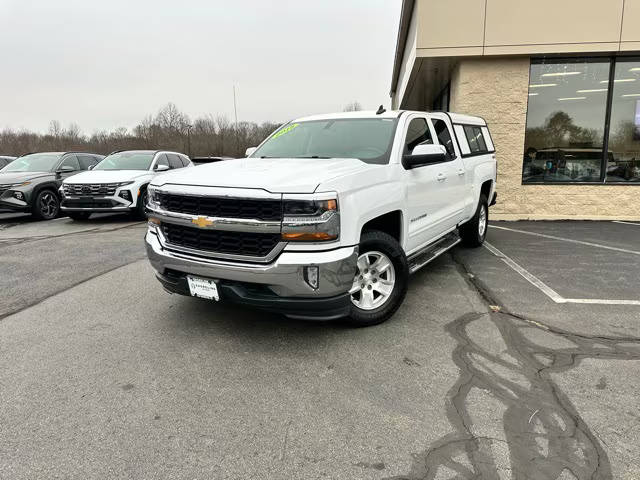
(461, 171)
(441, 177)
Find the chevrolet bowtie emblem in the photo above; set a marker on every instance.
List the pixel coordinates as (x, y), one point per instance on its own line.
(202, 222)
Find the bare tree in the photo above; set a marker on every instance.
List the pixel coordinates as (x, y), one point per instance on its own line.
(352, 107)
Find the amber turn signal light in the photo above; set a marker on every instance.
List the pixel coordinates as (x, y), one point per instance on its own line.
(308, 237)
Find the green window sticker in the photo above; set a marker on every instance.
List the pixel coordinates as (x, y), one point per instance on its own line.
(285, 130)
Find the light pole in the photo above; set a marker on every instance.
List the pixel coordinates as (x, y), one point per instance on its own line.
(189, 127)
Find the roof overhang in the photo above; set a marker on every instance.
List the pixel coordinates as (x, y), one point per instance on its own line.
(403, 30)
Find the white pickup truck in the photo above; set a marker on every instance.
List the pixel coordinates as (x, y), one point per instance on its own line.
(328, 217)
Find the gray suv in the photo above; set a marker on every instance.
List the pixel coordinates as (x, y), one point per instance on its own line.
(30, 183)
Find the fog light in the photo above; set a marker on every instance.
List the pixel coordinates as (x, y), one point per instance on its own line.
(19, 195)
(311, 275)
(125, 194)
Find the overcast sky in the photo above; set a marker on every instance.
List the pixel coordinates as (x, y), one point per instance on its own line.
(107, 64)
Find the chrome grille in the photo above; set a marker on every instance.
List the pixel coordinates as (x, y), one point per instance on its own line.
(90, 189)
(224, 207)
(225, 242)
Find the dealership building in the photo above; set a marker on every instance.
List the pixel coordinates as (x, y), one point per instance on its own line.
(558, 82)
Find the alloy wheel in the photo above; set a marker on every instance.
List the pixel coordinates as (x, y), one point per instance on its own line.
(48, 205)
(374, 281)
(482, 221)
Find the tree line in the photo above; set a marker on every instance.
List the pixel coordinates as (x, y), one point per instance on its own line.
(169, 129)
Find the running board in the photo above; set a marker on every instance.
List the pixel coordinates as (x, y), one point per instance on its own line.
(433, 251)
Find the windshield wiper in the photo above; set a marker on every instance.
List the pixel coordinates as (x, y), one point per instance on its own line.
(314, 156)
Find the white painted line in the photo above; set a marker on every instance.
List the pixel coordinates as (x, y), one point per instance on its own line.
(626, 223)
(570, 240)
(547, 290)
(531, 278)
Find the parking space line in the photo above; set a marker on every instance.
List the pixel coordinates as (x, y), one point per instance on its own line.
(626, 223)
(546, 289)
(570, 240)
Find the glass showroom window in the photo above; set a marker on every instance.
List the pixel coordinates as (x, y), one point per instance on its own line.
(566, 121)
(623, 157)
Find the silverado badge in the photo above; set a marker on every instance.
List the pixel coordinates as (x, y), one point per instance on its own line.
(202, 222)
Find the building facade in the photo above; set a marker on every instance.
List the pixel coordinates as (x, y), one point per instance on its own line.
(558, 82)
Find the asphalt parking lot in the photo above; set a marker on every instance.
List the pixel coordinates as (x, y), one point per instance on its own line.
(520, 360)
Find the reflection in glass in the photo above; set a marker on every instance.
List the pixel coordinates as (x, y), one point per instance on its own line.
(623, 164)
(565, 121)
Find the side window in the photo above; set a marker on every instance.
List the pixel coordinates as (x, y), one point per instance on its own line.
(86, 161)
(417, 133)
(475, 139)
(174, 161)
(70, 161)
(444, 136)
(185, 161)
(162, 160)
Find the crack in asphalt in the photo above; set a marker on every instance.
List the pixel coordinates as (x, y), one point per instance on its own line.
(544, 436)
(7, 242)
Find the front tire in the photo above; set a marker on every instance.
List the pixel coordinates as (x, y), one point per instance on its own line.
(381, 279)
(140, 206)
(46, 205)
(474, 232)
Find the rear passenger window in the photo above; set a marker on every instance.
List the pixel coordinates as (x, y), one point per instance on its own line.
(86, 161)
(475, 139)
(174, 161)
(185, 161)
(444, 136)
(417, 133)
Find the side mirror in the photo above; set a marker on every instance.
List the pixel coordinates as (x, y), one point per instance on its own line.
(424, 154)
(249, 151)
(66, 169)
(161, 168)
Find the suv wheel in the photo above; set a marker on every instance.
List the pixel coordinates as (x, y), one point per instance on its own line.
(46, 205)
(142, 202)
(381, 279)
(474, 232)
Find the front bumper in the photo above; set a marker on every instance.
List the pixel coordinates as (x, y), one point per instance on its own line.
(278, 286)
(95, 204)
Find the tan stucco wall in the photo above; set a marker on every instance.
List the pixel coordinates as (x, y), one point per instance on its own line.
(525, 27)
(497, 89)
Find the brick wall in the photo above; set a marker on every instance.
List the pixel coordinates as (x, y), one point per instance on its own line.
(497, 89)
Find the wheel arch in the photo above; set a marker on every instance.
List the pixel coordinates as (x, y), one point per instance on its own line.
(390, 222)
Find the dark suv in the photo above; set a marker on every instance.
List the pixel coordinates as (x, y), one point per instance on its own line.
(30, 183)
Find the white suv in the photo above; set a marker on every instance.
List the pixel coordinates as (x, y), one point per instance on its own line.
(118, 183)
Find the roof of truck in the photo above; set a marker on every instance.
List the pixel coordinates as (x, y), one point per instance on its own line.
(455, 117)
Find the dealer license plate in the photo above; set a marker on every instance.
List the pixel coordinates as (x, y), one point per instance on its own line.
(203, 288)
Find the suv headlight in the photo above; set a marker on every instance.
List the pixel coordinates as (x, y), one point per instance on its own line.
(122, 184)
(311, 219)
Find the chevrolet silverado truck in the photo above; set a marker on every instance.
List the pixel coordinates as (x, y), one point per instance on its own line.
(328, 217)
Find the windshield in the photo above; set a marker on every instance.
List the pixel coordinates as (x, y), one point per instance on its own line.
(369, 139)
(36, 162)
(126, 161)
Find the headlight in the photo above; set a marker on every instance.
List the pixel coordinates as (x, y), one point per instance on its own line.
(23, 184)
(122, 184)
(311, 220)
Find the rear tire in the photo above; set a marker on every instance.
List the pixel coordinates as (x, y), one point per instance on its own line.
(46, 205)
(377, 294)
(474, 232)
(79, 216)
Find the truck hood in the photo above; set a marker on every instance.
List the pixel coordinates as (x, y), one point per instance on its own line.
(19, 177)
(107, 176)
(276, 175)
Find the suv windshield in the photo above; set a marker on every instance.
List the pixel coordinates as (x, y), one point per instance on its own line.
(126, 161)
(36, 162)
(369, 139)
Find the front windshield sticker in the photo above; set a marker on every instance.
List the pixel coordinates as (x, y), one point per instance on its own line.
(285, 130)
